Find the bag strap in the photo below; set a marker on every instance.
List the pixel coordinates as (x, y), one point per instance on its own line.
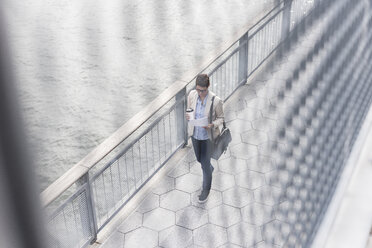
(210, 116)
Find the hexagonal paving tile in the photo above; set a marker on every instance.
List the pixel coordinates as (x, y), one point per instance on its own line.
(246, 93)
(159, 219)
(179, 170)
(192, 217)
(249, 114)
(264, 124)
(115, 240)
(274, 135)
(268, 195)
(237, 126)
(269, 148)
(190, 157)
(285, 102)
(189, 183)
(274, 113)
(235, 137)
(132, 222)
(250, 179)
(214, 199)
(261, 163)
(276, 232)
(210, 235)
(278, 178)
(243, 151)
(260, 81)
(237, 197)
(195, 168)
(259, 103)
(222, 181)
(254, 137)
(295, 240)
(268, 92)
(135, 238)
(149, 203)
(175, 236)
(175, 200)
(244, 234)
(229, 245)
(232, 165)
(282, 75)
(238, 104)
(265, 244)
(257, 214)
(282, 210)
(164, 185)
(224, 215)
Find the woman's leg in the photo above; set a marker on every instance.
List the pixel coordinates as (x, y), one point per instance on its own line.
(205, 160)
(196, 146)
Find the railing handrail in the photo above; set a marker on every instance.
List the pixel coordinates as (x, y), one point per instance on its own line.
(59, 186)
(81, 168)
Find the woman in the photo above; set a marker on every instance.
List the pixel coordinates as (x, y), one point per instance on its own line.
(200, 101)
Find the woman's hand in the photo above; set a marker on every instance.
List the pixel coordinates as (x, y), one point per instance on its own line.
(187, 117)
(209, 126)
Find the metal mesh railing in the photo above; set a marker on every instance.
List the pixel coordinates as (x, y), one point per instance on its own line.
(245, 56)
(126, 173)
(298, 9)
(261, 44)
(71, 225)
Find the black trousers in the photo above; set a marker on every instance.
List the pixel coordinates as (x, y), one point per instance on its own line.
(203, 152)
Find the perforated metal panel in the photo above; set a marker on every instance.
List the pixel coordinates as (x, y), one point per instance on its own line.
(71, 225)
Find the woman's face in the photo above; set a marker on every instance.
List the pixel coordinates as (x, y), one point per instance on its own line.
(202, 91)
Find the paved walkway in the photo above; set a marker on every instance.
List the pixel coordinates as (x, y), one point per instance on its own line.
(242, 207)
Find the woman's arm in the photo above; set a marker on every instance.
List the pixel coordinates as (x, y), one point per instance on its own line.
(219, 114)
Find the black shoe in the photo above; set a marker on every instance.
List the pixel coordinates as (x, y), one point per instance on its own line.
(203, 197)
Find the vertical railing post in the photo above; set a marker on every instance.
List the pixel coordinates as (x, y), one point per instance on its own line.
(91, 227)
(180, 116)
(243, 59)
(286, 27)
(286, 21)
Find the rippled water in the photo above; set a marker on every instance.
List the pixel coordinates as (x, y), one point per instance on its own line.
(85, 67)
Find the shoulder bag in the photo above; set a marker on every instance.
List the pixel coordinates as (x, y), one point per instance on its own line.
(221, 142)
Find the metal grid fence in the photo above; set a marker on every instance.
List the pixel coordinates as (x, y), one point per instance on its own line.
(118, 180)
(70, 225)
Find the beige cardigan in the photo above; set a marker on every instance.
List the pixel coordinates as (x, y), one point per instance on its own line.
(217, 115)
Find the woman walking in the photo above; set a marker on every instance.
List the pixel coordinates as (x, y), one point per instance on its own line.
(200, 100)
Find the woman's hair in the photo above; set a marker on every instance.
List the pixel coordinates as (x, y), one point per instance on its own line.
(202, 80)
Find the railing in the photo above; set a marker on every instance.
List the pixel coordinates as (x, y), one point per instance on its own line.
(95, 189)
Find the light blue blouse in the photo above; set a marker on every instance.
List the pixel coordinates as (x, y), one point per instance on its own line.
(200, 133)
